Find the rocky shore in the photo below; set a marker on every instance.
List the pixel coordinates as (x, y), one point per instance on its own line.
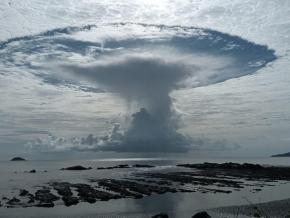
(204, 178)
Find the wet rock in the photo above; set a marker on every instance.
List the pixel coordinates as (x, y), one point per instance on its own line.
(160, 215)
(13, 201)
(143, 166)
(43, 204)
(85, 192)
(62, 188)
(23, 192)
(91, 195)
(256, 215)
(45, 198)
(202, 214)
(130, 189)
(120, 166)
(250, 172)
(30, 198)
(32, 171)
(17, 159)
(78, 167)
(194, 179)
(69, 200)
(203, 178)
(116, 186)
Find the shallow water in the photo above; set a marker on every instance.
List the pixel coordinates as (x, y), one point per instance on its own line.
(179, 205)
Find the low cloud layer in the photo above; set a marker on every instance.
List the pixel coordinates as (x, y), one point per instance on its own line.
(118, 141)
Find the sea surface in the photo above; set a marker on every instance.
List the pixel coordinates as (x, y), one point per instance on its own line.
(15, 176)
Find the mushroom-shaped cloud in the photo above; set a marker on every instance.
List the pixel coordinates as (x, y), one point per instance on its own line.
(143, 64)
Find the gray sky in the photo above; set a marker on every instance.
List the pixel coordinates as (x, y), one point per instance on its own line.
(230, 95)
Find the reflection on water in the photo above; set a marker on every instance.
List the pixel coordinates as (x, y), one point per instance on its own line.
(178, 205)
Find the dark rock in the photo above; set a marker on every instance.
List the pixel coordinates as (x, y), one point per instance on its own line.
(160, 215)
(129, 189)
(17, 159)
(45, 198)
(120, 166)
(143, 166)
(78, 167)
(85, 192)
(193, 178)
(250, 172)
(202, 214)
(13, 201)
(32, 171)
(203, 178)
(62, 188)
(30, 198)
(91, 195)
(42, 204)
(23, 192)
(69, 200)
(256, 215)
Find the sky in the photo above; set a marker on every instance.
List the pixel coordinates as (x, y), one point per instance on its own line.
(144, 78)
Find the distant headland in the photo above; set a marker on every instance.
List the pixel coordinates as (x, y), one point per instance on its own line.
(282, 155)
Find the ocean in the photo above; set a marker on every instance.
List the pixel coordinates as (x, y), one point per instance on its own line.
(16, 176)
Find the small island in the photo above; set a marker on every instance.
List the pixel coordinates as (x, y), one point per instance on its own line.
(17, 159)
(282, 155)
(78, 167)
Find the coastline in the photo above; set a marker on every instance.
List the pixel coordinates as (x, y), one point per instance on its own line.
(135, 189)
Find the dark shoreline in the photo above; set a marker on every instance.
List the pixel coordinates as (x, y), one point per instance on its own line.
(203, 178)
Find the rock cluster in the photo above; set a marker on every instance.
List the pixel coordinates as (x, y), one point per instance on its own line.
(246, 170)
(17, 159)
(208, 177)
(78, 167)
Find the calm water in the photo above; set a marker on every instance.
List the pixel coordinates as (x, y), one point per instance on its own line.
(180, 205)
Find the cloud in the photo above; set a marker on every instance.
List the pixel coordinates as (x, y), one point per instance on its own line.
(143, 64)
(144, 79)
(119, 141)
